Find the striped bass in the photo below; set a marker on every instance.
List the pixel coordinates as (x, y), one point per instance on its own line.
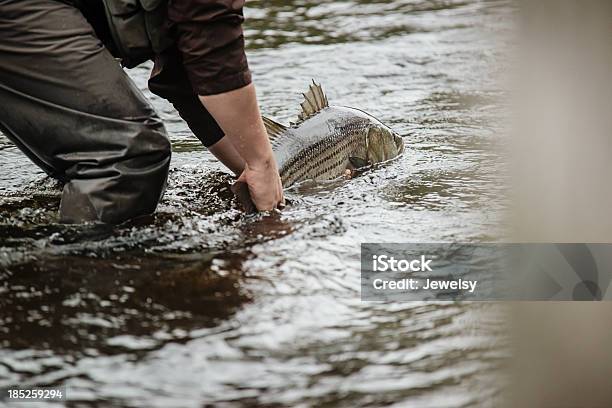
(328, 142)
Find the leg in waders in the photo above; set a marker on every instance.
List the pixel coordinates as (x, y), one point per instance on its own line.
(70, 107)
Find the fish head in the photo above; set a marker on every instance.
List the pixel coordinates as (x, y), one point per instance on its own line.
(381, 143)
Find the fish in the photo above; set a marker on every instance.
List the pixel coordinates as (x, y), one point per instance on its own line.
(327, 142)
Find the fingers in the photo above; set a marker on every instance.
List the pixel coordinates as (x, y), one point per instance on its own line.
(267, 207)
(281, 201)
(278, 201)
(263, 204)
(265, 188)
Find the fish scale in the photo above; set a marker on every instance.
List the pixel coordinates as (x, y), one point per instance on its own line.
(323, 160)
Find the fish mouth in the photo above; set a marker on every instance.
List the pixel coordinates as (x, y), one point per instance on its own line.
(399, 143)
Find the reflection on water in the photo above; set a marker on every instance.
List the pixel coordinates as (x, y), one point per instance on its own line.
(85, 305)
(277, 23)
(200, 304)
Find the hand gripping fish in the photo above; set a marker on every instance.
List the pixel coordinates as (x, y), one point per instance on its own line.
(326, 142)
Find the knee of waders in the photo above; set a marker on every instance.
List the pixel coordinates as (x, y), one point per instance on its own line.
(152, 140)
(160, 137)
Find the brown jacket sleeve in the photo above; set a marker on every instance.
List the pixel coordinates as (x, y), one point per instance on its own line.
(209, 37)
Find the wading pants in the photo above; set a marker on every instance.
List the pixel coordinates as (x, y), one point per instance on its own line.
(68, 105)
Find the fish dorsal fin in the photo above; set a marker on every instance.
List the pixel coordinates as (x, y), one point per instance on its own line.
(273, 128)
(314, 101)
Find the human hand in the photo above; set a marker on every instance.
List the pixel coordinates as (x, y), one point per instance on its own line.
(264, 184)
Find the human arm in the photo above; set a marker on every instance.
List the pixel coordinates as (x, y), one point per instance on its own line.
(211, 44)
(238, 115)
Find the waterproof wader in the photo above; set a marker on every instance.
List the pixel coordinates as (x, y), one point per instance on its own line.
(68, 105)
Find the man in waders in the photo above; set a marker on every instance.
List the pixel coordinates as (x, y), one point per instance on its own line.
(67, 103)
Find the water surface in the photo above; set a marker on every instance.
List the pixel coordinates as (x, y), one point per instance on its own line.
(201, 305)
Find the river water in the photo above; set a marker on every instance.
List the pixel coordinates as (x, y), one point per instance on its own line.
(203, 306)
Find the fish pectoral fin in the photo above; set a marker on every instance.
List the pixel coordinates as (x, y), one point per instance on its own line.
(314, 101)
(273, 128)
(358, 162)
(357, 166)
